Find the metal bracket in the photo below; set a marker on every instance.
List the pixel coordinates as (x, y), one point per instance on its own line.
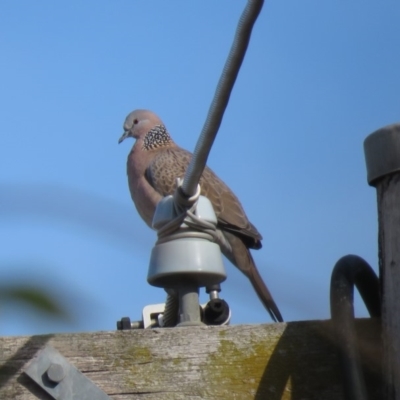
(151, 313)
(60, 379)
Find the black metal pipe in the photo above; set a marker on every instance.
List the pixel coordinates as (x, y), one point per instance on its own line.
(348, 272)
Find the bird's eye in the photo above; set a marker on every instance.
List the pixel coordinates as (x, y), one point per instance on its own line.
(135, 121)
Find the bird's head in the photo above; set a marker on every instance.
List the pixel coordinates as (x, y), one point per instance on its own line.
(138, 123)
(148, 128)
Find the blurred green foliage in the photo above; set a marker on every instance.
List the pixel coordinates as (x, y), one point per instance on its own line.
(35, 298)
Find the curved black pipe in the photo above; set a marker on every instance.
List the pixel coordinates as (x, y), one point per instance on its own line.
(348, 272)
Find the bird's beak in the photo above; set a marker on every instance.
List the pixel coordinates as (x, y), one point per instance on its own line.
(123, 137)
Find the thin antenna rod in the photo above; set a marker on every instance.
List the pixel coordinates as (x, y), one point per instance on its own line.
(221, 96)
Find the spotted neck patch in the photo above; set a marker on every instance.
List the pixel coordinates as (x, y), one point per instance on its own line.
(156, 137)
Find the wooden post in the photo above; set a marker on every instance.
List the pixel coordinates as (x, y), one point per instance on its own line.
(292, 361)
(382, 154)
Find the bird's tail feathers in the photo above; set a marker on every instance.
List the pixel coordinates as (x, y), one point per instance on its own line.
(263, 292)
(241, 257)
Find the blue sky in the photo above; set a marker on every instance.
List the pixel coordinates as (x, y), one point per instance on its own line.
(318, 77)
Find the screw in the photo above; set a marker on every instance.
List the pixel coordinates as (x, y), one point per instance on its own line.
(55, 373)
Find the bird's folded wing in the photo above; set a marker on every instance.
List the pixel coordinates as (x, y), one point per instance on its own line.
(171, 163)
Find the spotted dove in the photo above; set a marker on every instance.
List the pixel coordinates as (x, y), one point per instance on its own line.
(155, 162)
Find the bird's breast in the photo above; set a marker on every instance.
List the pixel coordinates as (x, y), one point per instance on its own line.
(143, 194)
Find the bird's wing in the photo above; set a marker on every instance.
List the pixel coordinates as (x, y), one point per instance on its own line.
(171, 163)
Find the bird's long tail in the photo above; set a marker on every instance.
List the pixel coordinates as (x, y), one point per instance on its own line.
(242, 259)
(263, 292)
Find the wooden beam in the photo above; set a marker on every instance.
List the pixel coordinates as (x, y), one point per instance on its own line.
(382, 153)
(296, 360)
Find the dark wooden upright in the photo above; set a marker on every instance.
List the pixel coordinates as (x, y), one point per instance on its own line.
(382, 153)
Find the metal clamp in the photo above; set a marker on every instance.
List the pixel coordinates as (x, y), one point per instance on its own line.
(215, 312)
(60, 379)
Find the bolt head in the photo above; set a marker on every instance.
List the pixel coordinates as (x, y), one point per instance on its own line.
(55, 373)
(124, 324)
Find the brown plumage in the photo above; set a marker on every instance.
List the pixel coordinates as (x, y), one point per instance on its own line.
(153, 166)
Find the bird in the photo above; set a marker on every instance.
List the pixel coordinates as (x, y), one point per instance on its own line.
(153, 166)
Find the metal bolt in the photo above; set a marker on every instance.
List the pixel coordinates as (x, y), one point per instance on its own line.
(124, 324)
(55, 373)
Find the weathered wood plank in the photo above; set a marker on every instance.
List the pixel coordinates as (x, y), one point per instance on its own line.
(382, 155)
(296, 361)
(388, 191)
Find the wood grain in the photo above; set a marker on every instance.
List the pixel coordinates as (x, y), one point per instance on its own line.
(388, 191)
(296, 360)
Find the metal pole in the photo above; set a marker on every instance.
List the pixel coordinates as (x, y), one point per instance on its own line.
(221, 96)
(382, 154)
(189, 309)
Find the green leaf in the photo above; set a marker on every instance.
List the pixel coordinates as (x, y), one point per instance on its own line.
(36, 298)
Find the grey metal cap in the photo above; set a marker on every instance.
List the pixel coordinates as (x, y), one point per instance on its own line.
(185, 261)
(382, 153)
(188, 259)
